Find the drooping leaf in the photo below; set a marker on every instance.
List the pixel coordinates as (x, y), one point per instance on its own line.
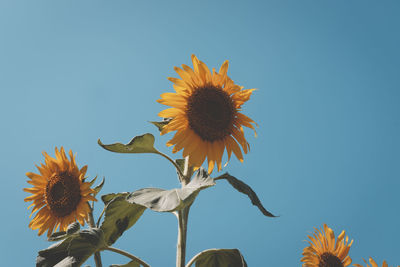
(175, 199)
(139, 144)
(245, 189)
(120, 214)
(218, 258)
(72, 251)
(161, 124)
(129, 264)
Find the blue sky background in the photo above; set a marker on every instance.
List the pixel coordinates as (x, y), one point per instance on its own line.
(328, 75)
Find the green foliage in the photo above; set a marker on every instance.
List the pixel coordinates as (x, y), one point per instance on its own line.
(120, 214)
(72, 251)
(160, 124)
(139, 144)
(123, 210)
(162, 200)
(57, 236)
(218, 258)
(245, 189)
(71, 229)
(129, 264)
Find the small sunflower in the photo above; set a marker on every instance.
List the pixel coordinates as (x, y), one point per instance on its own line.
(373, 263)
(59, 193)
(205, 114)
(324, 252)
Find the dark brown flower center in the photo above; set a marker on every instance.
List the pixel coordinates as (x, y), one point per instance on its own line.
(211, 112)
(327, 259)
(62, 194)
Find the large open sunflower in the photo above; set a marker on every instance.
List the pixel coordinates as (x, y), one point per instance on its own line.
(59, 193)
(205, 114)
(373, 264)
(325, 252)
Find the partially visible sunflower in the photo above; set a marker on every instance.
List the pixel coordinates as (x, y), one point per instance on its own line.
(324, 252)
(373, 263)
(205, 114)
(59, 193)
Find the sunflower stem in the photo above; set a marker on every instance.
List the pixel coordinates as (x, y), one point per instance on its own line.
(97, 257)
(188, 171)
(183, 216)
(182, 235)
(127, 254)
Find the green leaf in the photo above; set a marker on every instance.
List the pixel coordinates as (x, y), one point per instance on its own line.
(245, 189)
(107, 198)
(160, 124)
(57, 236)
(120, 214)
(139, 144)
(218, 258)
(129, 264)
(72, 251)
(175, 199)
(71, 229)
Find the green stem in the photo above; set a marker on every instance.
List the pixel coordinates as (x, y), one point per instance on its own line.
(97, 257)
(188, 172)
(183, 216)
(127, 254)
(182, 235)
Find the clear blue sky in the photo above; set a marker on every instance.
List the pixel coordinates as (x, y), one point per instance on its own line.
(328, 74)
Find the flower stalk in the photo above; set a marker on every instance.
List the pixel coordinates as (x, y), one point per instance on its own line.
(97, 257)
(182, 235)
(183, 216)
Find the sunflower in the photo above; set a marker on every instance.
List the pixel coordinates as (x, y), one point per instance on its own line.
(59, 193)
(373, 263)
(324, 252)
(205, 115)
